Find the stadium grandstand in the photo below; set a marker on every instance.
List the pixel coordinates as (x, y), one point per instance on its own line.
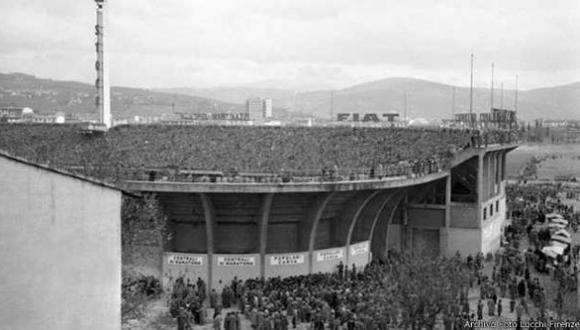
(254, 201)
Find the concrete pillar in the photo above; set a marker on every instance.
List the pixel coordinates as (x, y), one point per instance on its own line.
(354, 220)
(263, 230)
(210, 224)
(396, 205)
(444, 231)
(378, 214)
(448, 201)
(309, 225)
(480, 184)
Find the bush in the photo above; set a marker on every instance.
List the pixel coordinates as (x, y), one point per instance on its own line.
(136, 290)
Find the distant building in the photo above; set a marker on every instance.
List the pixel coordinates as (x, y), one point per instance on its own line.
(267, 106)
(14, 114)
(255, 108)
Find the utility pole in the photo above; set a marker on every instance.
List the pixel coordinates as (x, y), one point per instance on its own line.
(405, 107)
(491, 97)
(516, 96)
(453, 102)
(332, 105)
(471, 94)
(501, 99)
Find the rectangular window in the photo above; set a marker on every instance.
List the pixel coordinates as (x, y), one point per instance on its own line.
(497, 206)
(484, 213)
(491, 210)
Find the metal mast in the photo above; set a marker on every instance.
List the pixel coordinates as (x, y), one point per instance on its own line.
(516, 96)
(491, 97)
(453, 102)
(471, 94)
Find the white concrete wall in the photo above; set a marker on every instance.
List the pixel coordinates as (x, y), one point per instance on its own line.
(492, 227)
(466, 241)
(60, 251)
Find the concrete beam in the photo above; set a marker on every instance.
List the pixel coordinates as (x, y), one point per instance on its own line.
(391, 215)
(479, 188)
(448, 202)
(210, 224)
(354, 220)
(380, 212)
(291, 187)
(359, 211)
(263, 230)
(380, 232)
(309, 225)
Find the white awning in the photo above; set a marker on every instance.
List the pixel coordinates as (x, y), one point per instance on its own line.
(563, 232)
(556, 225)
(553, 250)
(560, 221)
(561, 239)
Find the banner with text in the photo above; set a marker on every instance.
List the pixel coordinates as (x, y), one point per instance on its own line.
(358, 249)
(287, 259)
(179, 259)
(329, 255)
(236, 261)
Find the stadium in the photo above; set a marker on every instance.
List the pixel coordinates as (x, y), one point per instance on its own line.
(257, 201)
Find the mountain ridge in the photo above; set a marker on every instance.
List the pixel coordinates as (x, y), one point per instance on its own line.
(424, 99)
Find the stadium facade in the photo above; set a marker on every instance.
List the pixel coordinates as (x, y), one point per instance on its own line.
(247, 230)
(436, 191)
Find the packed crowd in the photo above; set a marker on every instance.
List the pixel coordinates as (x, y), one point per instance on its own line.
(404, 291)
(327, 153)
(529, 204)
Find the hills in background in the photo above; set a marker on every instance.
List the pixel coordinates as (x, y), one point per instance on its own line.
(45, 95)
(425, 99)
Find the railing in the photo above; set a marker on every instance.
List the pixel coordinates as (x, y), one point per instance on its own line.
(401, 170)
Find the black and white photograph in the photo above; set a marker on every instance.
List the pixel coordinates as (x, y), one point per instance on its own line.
(289, 164)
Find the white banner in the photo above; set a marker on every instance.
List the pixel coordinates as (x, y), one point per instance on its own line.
(358, 249)
(329, 255)
(177, 259)
(236, 261)
(287, 259)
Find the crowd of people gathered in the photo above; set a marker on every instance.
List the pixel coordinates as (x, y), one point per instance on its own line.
(283, 154)
(406, 290)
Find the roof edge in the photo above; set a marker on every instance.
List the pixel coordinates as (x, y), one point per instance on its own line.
(94, 181)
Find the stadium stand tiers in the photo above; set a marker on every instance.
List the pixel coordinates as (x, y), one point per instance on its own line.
(228, 148)
(430, 190)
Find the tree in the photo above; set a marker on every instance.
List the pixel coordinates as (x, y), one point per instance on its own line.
(143, 221)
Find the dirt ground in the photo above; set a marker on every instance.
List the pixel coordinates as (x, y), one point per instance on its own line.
(566, 162)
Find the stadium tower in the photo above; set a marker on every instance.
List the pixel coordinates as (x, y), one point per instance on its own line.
(103, 99)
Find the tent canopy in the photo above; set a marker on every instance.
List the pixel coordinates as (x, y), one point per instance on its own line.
(556, 225)
(553, 251)
(563, 232)
(561, 239)
(551, 216)
(560, 221)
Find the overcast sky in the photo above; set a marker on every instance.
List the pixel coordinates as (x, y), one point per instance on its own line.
(296, 43)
